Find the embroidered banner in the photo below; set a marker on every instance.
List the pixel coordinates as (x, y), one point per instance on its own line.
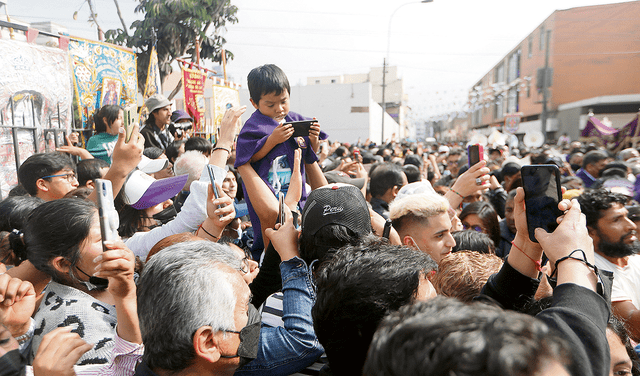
(224, 98)
(193, 85)
(35, 94)
(92, 62)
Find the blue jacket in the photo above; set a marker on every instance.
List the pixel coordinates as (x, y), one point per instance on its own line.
(283, 351)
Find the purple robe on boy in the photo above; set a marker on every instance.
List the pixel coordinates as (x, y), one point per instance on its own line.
(276, 167)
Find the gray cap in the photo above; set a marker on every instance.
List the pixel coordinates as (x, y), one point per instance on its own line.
(156, 101)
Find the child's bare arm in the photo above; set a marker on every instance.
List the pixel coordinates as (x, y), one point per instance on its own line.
(315, 177)
(262, 199)
(281, 134)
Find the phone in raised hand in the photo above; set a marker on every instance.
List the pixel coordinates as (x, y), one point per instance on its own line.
(542, 193)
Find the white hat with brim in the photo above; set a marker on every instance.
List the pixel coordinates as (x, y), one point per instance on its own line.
(151, 166)
(142, 191)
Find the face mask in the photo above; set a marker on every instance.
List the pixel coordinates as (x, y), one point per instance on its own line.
(12, 364)
(165, 216)
(249, 338)
(95, 283)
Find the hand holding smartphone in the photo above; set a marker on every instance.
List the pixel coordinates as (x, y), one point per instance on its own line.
(130, 119)
(542, 194)
(109, 220)
(301, 128)
(216, 193)
(282, 214)
(475, 153)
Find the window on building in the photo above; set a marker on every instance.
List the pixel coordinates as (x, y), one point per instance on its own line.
(528, 89)
(317, 81)
(530, 47)
(514, 66)
(498, 108)
(333, 80)
(542, 38)
(499, 74)
(512, 101)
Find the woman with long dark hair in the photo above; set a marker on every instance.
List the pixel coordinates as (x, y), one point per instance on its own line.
(107, 122)
(482, 217)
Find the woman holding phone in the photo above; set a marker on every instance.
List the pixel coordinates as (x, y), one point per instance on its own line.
(107, 121)
(63, 240)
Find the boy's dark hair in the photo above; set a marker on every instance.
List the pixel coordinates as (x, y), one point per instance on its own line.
(173, 150)
(444, 336)
(356, 287)
(89, 169)
(152, 152)
(39, 165)
(470, 240)
(267, 79)
(594, 202)
(385, 176)
(412, 172)
(110, 112)
(200, 144)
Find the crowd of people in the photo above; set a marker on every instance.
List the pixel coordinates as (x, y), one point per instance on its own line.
(332, 259)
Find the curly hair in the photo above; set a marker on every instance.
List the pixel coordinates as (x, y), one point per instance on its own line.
(594, 202)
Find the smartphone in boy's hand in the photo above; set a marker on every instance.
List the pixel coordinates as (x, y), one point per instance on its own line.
(301, 128)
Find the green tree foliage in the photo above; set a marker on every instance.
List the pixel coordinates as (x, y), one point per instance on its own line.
(175, 25)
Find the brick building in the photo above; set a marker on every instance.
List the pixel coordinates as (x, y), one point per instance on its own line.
(594, 65)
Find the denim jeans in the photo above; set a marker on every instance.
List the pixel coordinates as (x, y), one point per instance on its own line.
(284, 351)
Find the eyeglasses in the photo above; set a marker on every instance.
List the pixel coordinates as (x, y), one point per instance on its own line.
(244, 266)
(71, 176)
(474, 228)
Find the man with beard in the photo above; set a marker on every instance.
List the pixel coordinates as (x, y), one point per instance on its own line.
(616, 247)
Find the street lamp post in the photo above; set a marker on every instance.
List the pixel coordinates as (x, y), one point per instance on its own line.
(386, 61)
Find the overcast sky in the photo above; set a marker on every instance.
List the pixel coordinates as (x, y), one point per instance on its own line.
(441, 48)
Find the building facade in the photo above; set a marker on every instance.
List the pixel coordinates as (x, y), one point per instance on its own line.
(587, 59)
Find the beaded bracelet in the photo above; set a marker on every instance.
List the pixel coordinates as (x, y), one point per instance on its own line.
(452, 190)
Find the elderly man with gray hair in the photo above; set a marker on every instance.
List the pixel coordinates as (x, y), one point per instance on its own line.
(192, 306)
(196, 319)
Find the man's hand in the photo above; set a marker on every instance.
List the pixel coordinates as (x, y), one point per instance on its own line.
(229, 126)
(58, 352)
(220, 210)
(127, 155)
(117, 264)
(570, 235)
(285, 238)
(70, 148)
(73, 138)
(17, 303)
(466, 184)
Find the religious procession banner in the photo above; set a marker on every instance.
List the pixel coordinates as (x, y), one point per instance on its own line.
(597, 132)
(35, 97)
(103, 73)
(224, 98)
(153, 84)
(193, 85)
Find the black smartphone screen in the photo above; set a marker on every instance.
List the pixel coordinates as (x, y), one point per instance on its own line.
(542, 193)
(474, 154)
(301, 128)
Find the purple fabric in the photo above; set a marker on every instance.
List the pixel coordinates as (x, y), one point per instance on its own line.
(160, 191)
(252, 138)
(586, 178)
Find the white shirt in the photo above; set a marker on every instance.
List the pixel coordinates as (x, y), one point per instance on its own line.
(626, 280)
(193, 213)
